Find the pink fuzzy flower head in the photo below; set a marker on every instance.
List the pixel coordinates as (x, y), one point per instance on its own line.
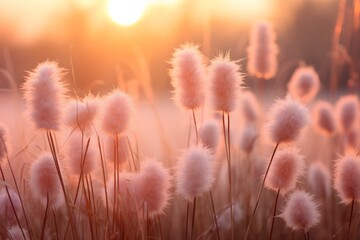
(122, 150)
(347, 178)
(300, 212)
(152, 187)
(81, 113)
(262, 52)
(117, 112)
(44, 95)
(286, 120)
(323, 117)
(347, 112)
(79, 157)
(126, 191)
(188, 76)
(287, 166)
(249, 106)
(44, 181)
(225, 82)
(304, 84)
(319, 179)
(352, 141)
(247, 138)
(195, 172)
(224, 219)
(16, 234)
(6, 211)
(209, 134)
(4, 145)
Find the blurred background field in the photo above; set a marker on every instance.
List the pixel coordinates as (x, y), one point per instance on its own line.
(104, 51)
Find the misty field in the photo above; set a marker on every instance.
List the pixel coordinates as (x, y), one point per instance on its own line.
(261, 147)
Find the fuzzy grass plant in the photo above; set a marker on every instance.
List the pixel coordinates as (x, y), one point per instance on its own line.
(100, 168)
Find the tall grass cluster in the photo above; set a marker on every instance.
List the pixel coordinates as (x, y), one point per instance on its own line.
(231, 163)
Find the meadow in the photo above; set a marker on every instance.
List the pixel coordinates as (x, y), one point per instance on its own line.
(231, 160)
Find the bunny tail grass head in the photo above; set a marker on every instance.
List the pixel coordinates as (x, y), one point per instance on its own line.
(210, 134)
(304, 84)
(323, 118)
(300, 212)
(189, 182)
(286, 120)
(188, 76)
(152, 187)
(225, 82)
(288, 165)
(82, 113)
(44, 95)
(44, 181)
(117, 111)
(262, 51)
(347, 112)
(347, 178)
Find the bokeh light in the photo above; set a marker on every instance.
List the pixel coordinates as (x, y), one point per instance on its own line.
(126, 12)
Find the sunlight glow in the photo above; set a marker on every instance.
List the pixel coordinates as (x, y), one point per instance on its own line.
(126, 12)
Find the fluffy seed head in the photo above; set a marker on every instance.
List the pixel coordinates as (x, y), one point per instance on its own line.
(300, 212)
(224, 219)
(352, 141)
(262, 52)
(152, 187)
(209, 134)
(319, 179)
(44, 181)
(6, 210)
(304, 84)
(347, 112)
(44, 95)
(287, 166)
(195, 172)
(249, 106)
(286, 120)
(16, 234)
(81, 113)
(225, 82)
(247, 138)
(117, 112)
(323, 117)
(76, 148)
(347, 178)
(188, 76)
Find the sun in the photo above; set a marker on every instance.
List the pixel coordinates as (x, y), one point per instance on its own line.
(126, 12)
